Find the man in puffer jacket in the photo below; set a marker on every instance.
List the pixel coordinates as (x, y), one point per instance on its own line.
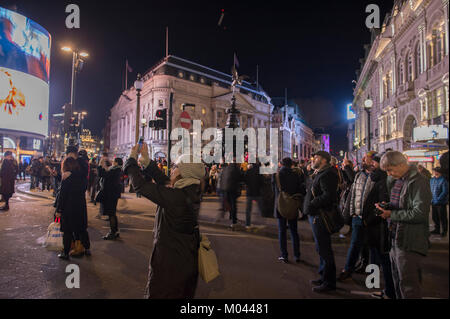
(439, 189)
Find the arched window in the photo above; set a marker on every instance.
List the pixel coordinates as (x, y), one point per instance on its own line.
(410, 67)
(418, 59)
(438, 45)
(400, 73)
(430, 54)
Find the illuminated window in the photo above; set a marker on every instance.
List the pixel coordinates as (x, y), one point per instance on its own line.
(202, 80)
(203, 110)
(192, 77)
(439, 101)
(180, 74)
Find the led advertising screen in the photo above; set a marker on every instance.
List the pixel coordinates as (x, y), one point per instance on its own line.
(24, 73)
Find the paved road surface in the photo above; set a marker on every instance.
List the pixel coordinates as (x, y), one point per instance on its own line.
(248, 262)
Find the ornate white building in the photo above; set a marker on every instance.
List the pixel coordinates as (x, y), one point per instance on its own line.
(209, 90)
(405, 74)
(296, 139)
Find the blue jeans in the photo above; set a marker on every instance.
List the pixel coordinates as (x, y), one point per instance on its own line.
(248, 210)
(385, 261)
(282, 236)
(327, 266)
(355, 244)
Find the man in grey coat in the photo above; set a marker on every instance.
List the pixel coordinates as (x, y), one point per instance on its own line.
(408, 214)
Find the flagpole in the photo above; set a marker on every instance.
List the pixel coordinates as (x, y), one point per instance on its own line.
(126, 74)
(257, 77)
(167, 42)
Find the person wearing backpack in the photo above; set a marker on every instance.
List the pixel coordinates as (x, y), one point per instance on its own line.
(290, 183)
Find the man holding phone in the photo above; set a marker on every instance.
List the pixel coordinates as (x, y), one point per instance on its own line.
(408, 211)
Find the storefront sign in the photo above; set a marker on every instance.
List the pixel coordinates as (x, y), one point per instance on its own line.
(425, 159)
(431, 132)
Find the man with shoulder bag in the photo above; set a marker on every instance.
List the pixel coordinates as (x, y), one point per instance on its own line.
(320, 205)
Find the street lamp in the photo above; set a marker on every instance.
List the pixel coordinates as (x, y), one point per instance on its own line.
(368, 106)
(138, 84)
(77, 64)
(143, 124)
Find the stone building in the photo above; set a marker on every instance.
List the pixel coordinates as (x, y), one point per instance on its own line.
(405, 75)
(296, 138)
(208, 89)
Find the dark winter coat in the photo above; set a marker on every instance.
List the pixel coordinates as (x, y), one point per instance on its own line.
(376, 227)
(290, 182)
(71, 203)
(8, 175)
(174, 260)
(36, 167)
(111, 187)
(254, 181)
(325, 185)
(231, 178)
(83, 161)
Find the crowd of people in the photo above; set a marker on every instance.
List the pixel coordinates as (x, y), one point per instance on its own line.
(384, 200)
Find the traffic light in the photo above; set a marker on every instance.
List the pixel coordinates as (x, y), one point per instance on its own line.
(161, 122)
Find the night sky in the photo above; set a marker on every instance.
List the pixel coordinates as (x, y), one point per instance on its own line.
(311, 48)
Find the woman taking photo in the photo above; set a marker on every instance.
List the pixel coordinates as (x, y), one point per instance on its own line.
(71, 207)
(111, 188)
(174, 261)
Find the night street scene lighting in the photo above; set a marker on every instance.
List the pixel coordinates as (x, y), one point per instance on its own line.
(225, 160)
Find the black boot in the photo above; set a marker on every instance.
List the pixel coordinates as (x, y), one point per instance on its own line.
(64, 256)
(111, 236)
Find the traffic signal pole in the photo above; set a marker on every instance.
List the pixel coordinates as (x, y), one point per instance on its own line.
(169, 128)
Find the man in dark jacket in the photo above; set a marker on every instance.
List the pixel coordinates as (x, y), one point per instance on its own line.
(322, 195)
(230, 183)
(254, 182)
(377, 228)
(8, 176)
(292, 183)
(35, 172)
(174, 261)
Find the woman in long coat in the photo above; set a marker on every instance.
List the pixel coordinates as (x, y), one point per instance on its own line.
(174, 260)
(111, 188)
(8, 173)
(71, 206)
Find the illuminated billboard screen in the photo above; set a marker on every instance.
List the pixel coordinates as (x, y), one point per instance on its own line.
(24, 73)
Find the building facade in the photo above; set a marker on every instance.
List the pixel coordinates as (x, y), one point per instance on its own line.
(296, 138)
(208, 91)
(405, 76)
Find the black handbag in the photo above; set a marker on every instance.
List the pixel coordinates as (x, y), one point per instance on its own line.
(332, 219)
(100, 196)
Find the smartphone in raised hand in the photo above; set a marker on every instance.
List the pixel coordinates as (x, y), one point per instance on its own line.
(141, 141)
